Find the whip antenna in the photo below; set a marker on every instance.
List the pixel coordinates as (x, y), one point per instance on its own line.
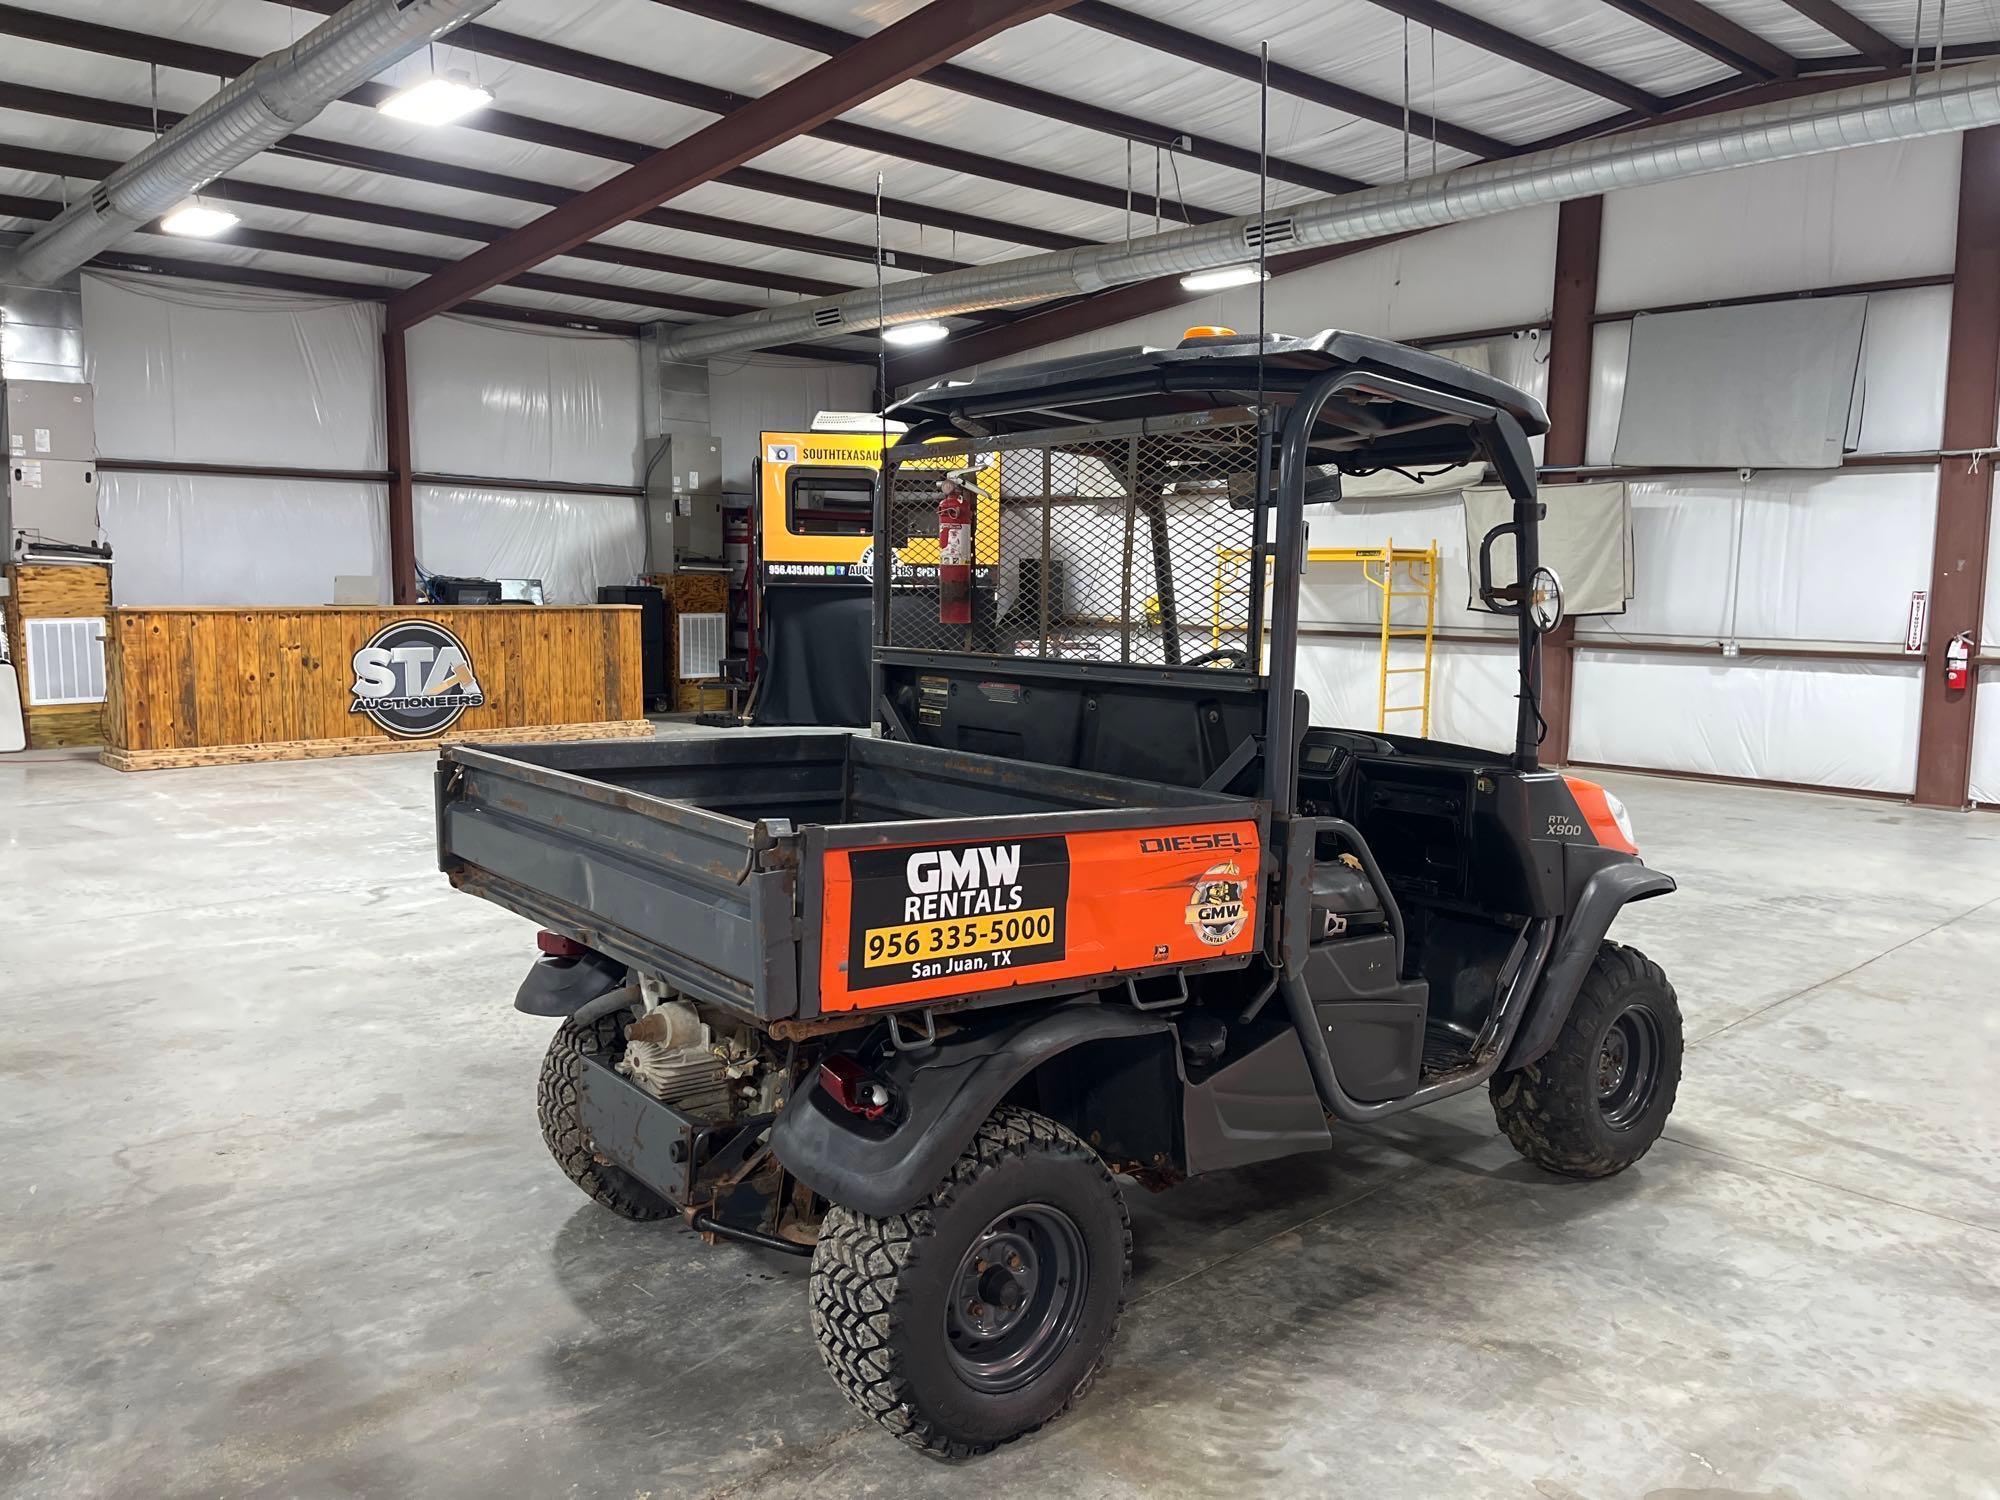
(1263, 201)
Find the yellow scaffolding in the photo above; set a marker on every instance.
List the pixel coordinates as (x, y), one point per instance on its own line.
(1380, 566)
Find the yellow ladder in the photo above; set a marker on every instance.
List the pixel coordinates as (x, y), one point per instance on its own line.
(1379, 566)
(1418, 568)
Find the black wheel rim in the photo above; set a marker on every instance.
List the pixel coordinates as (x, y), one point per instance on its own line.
(1628, 1066)
(1016, 1298)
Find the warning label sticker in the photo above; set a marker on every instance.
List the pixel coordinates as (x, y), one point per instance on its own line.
(953, 909)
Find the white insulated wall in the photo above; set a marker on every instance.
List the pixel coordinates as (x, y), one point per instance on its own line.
(200, 375)
(1818, 559)
(753, 394)
(1781, 559)
(192, 374)
(489, 401)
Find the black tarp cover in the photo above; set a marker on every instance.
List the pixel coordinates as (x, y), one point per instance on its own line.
(816, 640)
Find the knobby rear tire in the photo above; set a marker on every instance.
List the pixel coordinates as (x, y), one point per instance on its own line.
(557, 1101)
(880, 1289)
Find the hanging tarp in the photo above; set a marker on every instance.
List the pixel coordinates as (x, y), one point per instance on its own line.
(1586, 537)
(1771, 386)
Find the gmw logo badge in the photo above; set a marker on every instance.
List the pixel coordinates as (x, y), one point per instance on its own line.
(414, 678)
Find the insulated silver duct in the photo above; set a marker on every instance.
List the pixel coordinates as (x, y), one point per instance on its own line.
(1867, 115)
(277, 95)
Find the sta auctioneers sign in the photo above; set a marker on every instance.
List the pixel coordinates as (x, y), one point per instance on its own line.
(414, 678)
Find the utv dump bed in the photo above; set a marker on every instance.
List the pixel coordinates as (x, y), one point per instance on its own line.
(795, 876)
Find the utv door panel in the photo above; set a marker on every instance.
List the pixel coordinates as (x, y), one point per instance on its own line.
(1373, 1022)
(1260, 1106)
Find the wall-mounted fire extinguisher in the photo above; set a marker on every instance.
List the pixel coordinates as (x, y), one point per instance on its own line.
(1958, 662)
(955, 511)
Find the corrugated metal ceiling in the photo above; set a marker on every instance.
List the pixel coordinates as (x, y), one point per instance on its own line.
(1362, 45)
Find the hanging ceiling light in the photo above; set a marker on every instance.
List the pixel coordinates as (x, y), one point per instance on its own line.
(198, 220)
(437, 100)
(909, 335)
(1223, 277)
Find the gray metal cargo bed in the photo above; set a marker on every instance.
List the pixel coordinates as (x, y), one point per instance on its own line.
(710, 861)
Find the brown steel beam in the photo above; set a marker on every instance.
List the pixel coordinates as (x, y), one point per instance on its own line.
(1102, 309)
(1965, 490)
(114, 42)
(402, 470)
(1194, 48)
(532, 486)
(404, 260)
(362, 291)
(1615, 645)
(1804, 294)
(1954, 52)
(611, 73)
(898, 52)
(1817, 75)
(362, 211)
(1085, 314)
(1709, 31)
(1579, 239)
(762, 20)
(1502, 43)
(1851, 29)
(239, 471)
(66, 106)
(364, 476)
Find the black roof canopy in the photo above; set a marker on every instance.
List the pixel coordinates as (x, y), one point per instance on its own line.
(1386, 427)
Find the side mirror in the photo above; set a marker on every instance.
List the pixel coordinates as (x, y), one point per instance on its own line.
(1545, 600)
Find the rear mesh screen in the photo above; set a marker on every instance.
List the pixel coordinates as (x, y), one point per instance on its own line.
(1095, 545)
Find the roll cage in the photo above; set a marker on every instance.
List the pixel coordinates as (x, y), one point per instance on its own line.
(1304, 412)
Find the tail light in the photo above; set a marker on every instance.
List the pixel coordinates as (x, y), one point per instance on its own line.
(854, 1088)
(555, 945)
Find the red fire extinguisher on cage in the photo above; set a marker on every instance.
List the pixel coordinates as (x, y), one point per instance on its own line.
(955, 511)
(1958, 662)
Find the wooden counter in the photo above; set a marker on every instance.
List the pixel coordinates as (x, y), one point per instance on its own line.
(189, 687)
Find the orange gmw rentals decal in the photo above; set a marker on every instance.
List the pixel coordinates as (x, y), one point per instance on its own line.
(932, 921)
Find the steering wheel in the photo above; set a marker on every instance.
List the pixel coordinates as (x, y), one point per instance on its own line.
(1236, 656)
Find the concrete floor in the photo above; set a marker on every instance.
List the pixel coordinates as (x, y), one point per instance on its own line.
(275, 1218)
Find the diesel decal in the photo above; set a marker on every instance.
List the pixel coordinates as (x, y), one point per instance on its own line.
(1218, 911)
(1191, 843)
(952, 909)
(414, 678)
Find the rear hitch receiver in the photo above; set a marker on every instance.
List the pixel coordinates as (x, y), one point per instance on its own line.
(854, 1088)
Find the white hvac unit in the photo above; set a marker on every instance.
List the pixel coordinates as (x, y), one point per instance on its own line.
(704, 641)
(65, 661)
(48, 489)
